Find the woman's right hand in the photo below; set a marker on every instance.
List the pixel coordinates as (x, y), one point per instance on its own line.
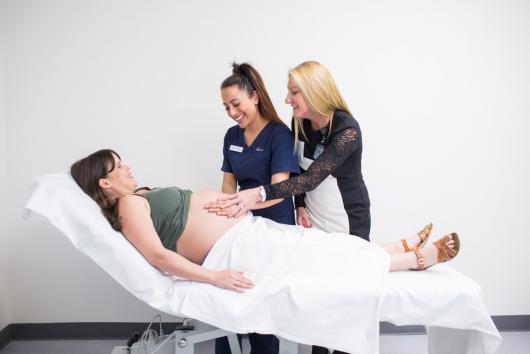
(231, 280)
(302, 218)
(235, 205)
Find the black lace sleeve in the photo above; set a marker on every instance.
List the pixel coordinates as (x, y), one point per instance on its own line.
(340, 147)
(299, 200)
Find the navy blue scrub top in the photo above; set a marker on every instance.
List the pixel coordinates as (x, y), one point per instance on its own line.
(271, 152)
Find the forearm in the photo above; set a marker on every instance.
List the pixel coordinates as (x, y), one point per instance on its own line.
(342, 145)
(173, 263)
(275, 178)
(266, 204)
(228, 187)
(299, 201)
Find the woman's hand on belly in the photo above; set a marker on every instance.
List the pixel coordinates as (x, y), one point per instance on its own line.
(234, 205)
(219, 207)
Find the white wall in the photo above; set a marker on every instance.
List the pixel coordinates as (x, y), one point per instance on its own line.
(440, 90)
(4, 270)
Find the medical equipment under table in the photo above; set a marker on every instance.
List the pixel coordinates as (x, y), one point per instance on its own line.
(183, 339)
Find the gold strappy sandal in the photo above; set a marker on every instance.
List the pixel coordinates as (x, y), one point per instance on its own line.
(424, 237)
(445, 253)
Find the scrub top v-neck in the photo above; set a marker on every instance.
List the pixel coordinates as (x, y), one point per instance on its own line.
(272, 151)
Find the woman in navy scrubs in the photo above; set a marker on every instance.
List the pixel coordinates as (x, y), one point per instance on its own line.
(258, 151)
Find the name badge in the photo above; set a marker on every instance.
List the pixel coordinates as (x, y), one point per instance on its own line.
(318, 151)
(235, 148)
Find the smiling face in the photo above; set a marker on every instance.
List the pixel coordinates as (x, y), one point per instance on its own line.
(296, 99)
(119, 180)
(239, 106)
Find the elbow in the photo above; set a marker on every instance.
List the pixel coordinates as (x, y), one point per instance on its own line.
(159, 259)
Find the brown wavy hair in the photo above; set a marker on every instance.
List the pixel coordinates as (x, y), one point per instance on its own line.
(248, 79)
(88, 171)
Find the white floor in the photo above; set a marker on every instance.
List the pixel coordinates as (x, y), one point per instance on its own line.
(513, 343)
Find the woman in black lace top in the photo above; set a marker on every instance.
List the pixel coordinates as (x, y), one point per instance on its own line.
(330, 193)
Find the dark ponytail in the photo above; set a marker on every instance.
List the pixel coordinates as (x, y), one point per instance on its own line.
(88, 171)
(248, 79)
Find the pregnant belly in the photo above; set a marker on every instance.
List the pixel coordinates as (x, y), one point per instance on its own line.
(202, 229)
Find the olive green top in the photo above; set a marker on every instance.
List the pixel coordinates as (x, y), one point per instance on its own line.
(169, 212)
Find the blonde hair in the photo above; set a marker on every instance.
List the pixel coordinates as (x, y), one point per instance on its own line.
(319, 90)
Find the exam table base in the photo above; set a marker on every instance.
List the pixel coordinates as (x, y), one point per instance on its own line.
(183, 341)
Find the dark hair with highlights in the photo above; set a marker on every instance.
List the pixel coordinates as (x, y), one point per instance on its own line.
(88, 171)
(249, 80)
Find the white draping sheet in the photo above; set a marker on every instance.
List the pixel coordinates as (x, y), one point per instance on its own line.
(288, 299)
(311, 287)
(448, 303)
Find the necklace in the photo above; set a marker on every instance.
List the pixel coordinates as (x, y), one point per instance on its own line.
(323, 133)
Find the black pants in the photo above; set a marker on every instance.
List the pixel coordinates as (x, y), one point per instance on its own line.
(321, 350)
(259, 344)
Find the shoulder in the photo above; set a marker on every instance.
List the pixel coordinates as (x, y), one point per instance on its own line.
(280, 129)
(232, 132)
(342, 121)
(132, 203)
(281, 132)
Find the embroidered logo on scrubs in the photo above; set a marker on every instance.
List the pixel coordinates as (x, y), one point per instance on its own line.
(235, 148)
(259, 148)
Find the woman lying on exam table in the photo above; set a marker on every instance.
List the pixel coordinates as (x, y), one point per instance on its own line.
(172, 230)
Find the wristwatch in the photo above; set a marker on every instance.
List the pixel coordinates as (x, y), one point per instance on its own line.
(262, 194)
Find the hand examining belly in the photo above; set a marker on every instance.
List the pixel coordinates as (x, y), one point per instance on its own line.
(234, 205)
(222, 208)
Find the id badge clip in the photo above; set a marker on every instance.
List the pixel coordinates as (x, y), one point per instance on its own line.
(318, 150)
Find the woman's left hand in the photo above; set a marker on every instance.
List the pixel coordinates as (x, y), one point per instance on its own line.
(220, 208)
(235, 205)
